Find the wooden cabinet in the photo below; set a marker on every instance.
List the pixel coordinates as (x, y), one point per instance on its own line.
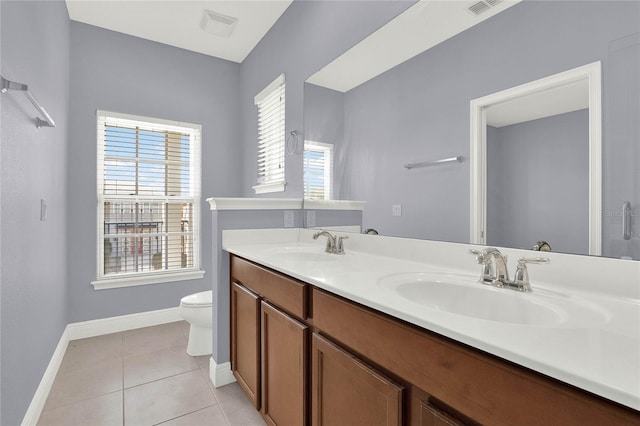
(245, 335)
(432, 416)
(286, 293)
(269, 345)
(345, 391)
(284, 367)
(368, 368)
(481, 387)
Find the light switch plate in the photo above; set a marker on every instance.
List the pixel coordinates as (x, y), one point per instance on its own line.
(396, 210)
(288, 218)
(311, 218)
(43, 209)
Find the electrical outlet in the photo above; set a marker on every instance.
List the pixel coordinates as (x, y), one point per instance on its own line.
(288, 218)
(311, 218)
(43, 209)
(396, 210)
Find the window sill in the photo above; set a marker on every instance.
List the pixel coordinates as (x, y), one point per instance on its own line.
(270, 187)
(133, 280)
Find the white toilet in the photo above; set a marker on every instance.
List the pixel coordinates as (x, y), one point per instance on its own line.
(197, 310)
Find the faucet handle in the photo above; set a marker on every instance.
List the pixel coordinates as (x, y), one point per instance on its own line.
(340, 245)
(476, 253)
(535, 260)
(480, 259)
(521, 278)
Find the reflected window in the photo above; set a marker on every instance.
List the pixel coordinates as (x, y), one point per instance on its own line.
(318, 170)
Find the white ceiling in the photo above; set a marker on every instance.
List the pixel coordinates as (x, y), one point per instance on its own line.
(177, 22)
(419, 28)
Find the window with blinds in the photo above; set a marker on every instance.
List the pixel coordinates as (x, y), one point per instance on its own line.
(148, 195)
(318, 170)
(271, 137)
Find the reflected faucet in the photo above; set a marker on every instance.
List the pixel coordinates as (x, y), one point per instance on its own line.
(541, 246)
(494, 269)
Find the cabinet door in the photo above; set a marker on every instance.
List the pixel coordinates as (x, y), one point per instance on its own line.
(284, 368)
(344, 391)
(431, 416)
(245, 341)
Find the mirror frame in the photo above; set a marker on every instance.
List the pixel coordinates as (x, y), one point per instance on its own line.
(478, 152)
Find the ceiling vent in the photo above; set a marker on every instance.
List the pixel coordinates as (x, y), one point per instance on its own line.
(483, 6)
(217, 23)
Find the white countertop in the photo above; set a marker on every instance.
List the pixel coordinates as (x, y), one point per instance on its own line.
(602, 356)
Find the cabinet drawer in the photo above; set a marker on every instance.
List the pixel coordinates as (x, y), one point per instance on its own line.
(479, 386)
(286, 293)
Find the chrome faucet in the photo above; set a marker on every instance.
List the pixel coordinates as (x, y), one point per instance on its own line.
(494, 269)
(494, 266)
(334, 244)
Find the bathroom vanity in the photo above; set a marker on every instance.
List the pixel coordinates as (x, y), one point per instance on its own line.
(320, 338)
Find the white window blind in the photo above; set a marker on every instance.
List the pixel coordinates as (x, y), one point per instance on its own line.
(271, 137)
(318, 170)
(148, 196)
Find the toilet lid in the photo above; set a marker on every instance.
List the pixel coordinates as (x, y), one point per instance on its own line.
(204, 298)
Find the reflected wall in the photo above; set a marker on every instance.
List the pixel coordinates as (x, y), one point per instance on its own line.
(419, 111)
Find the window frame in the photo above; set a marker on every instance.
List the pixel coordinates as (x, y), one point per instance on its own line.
(105, 281)
(265, 182)
(328, 149)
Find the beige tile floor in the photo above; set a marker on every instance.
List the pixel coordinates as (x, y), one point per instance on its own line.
(141, 377)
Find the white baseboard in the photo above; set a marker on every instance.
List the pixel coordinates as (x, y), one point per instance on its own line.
(40, 396)
(98, 327)
(220, 374)
(81, 330)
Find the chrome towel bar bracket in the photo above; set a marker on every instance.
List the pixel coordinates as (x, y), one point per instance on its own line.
(7, 85)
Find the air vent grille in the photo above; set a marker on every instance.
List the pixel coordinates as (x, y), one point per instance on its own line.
(483, 6)
(217, 23)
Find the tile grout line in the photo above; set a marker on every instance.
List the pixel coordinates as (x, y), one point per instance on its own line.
(159, 379)
(196, 366)
(185, 414)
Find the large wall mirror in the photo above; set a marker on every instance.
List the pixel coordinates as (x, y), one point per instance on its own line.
(380, 117)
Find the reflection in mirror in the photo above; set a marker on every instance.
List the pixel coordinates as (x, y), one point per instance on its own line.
(538, 180)
(418, 111)
(535, 149)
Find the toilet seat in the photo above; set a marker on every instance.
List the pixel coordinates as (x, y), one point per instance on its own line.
(203, 299)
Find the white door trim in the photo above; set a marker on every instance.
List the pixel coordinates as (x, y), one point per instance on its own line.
(478, 151)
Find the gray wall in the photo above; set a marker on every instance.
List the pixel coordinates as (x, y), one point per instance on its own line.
(116, 72)
(419, 111)
(233, 219)
(621, 174)
(307, 36)
(35, 51)
(324, 121)
(323, 114)
(538, 183)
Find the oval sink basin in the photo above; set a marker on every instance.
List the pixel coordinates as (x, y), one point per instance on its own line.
(462, 295)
